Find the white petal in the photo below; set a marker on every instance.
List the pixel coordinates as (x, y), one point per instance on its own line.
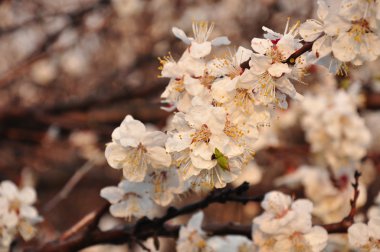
(310, 30)
(181, 35)
(278, 69)
(193, 86)
(243, 54)
(28, 195)
(123, 210)
(28, 212)
(112, 193)
(317, 238)
(220, 41)
(115, 155)
(220, 89)
(196, 220)
(154, 138)
(179, 141)
(8, 189)
(343, 48)
(158, 157)
(358, 234)
(259, 64)
(322, 46)
(374, 228)
(203, 150)
(285, 86)
(261, 46)
(200, 50)
(201, 163)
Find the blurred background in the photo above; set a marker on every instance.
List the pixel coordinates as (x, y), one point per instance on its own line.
(71, 70)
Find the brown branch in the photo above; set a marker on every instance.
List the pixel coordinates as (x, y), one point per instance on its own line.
(291, 60)
(342, 226)
(69, 186)
(145, 228)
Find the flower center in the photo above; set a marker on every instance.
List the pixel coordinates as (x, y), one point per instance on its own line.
(358, 29)
(179, 85)
(202, 30)
(232, 130)
(202, 135)
(244, 98)
(275, 54)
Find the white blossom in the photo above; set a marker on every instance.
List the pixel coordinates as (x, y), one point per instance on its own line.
(230, 243)
(135, 150)
(130, 199)
(271, 71)
(191, 237)
(365, 237)
(331, 203)
(17, 215)
(286, 226)
(199, 44)
(334, 129)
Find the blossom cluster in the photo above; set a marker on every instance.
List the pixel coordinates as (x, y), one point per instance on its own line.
(286, 225)
(222, 104)
(192, 238)
(347, 30)
(334, 129)
(17, 215)
(331, 201)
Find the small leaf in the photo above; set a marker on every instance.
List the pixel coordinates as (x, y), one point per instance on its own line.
(221, 159)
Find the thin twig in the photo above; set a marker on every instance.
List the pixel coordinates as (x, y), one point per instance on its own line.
(145, 228)
(342, 226)
(69, 186)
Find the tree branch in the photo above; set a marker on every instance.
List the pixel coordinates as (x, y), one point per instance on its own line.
(145, 228)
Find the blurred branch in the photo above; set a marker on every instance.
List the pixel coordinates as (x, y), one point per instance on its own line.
(69, 186)
(75, 19)
(342, 226)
